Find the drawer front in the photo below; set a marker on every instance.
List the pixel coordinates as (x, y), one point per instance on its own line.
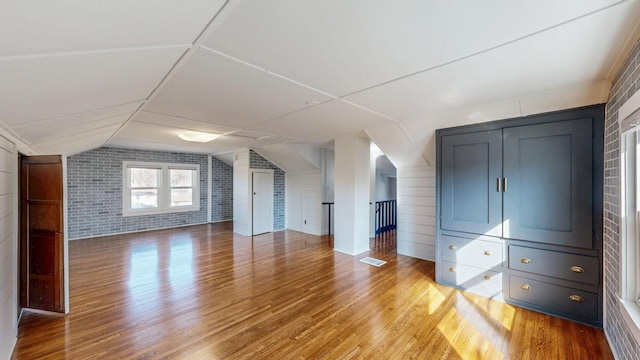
(480, 281)
(556, 299)
(478, 253)
(561, 265)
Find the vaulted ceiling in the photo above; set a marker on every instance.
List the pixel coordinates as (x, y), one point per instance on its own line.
(77, 75)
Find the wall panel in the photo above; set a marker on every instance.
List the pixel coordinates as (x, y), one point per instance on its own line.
(8, 250)
(416, 212)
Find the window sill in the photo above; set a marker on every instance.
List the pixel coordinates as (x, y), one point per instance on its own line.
(129, 213)
(631, 315)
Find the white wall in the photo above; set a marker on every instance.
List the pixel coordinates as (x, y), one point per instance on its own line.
(327, 171)
(416, 212)
(241, 190)
(303, 198)
(8, 248)
(293, 201)
(385, 187)
(312, 203)
(352, 181)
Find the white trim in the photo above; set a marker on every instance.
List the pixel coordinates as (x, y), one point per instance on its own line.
(629, 107)
(11, 344)
(163, 188)
(20, 145)
(65, 230)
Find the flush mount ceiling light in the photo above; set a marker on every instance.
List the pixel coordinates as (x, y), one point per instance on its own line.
(197, 136)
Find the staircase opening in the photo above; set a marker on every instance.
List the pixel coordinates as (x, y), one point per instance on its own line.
(385, 206)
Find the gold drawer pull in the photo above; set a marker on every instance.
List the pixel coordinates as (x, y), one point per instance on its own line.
(452, 247)
(525, 286)
(452, 269)
(577, 269)
(525, 260)
(487, 252)
(576, 298)
(487, 277)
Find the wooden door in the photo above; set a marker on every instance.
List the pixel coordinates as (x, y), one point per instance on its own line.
(471, 172)
(548, 168)
(41, 235)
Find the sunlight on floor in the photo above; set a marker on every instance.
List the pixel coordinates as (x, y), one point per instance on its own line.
(435, 299)
(467, 341)
(499, 311)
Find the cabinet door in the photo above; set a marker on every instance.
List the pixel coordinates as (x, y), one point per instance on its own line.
(548, 170)
(471, 167)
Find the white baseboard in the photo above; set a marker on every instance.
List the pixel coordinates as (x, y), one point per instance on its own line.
(5, 353)
(139, 231)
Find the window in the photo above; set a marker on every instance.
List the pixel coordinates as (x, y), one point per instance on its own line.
(630, 221)
(158, 188)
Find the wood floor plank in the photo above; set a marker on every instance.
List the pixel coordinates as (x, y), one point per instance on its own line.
(203, 292)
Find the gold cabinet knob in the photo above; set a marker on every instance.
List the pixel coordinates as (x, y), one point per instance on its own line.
(577, 269)
(452, 269)
(525, 260)
(487, 277)
(452, 247)
(487, 252)
(525, 286)
(576, 298)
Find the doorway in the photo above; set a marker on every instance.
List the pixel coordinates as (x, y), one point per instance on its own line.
(262, 201)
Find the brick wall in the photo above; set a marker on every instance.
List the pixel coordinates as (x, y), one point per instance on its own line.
(94, 183)
(221, 191)
(625, 84)
(258, 162)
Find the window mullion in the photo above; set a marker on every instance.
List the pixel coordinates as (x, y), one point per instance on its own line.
(165, 188)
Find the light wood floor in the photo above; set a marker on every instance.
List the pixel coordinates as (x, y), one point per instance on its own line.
(204, 293)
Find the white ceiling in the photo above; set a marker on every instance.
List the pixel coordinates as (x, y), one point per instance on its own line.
(76, 75)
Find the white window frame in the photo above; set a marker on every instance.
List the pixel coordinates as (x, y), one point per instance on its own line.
(164, 188)
(629, 292)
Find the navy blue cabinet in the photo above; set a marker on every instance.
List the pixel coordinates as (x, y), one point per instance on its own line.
(548, 196)
(519, 201)
(471, 169)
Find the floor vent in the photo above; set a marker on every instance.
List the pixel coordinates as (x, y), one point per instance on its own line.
(374, 262)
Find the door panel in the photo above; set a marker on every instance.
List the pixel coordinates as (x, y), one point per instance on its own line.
(262, 202)
(548, 169)
(471, 167)
(41, 224)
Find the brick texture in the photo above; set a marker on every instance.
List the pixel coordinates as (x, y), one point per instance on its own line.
(94, 183)
(258, 162)
(221, 191)
(625, 84)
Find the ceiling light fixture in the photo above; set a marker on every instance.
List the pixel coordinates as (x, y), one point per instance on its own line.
(197, 136)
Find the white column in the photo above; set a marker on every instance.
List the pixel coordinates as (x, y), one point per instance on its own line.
(352, 181)
(241, 190)
(372, 193)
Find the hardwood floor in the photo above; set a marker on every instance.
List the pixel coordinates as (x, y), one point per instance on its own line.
(203, 292)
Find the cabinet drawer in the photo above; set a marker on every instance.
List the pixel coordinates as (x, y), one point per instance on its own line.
(561, 265)
(478, 253)
(578, 304)
(480, 281)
